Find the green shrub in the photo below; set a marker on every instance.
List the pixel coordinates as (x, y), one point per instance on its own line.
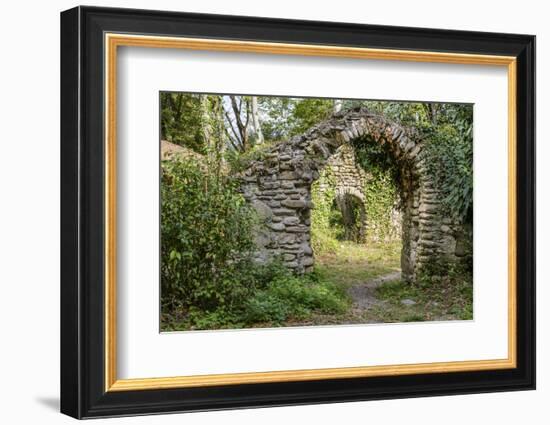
(289, 296)
(206, 238)
(265, 307)
(279, 296)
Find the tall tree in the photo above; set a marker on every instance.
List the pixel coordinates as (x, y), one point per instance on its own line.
(256, 121)
(205, 120)
(432, 110)
(181, 120)
(237, 114)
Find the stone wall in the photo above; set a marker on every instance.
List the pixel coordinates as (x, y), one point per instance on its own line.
(347, 177)
(279, 186)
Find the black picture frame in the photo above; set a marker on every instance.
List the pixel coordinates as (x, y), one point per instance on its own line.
(83, 392)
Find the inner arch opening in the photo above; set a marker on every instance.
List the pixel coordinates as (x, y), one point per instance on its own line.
(357, 213)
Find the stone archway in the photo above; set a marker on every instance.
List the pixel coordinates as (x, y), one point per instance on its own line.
(279, 186)
(346, 179)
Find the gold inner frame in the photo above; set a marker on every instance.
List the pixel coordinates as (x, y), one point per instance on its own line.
(113, 41)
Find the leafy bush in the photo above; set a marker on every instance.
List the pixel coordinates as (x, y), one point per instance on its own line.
(206, 238)
(289, 296)
(278, 296)
(451, 163)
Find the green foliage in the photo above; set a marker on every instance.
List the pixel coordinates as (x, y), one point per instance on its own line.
(373, 156)
(380, 197)
(285, 117)
(206, 237)
(448, 133)
(292, 297)
(182, 121)
(308, 112)
(381, 192)
(279, 297)
(194, 120)
(323, 231)
(276, 112)
(208, 278)
(450, 150)
(240, 161)
(347, 218)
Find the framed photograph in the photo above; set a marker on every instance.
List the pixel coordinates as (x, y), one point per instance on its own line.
(261, 212)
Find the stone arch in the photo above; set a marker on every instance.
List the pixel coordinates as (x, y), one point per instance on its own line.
(279, 186)
(347, 180)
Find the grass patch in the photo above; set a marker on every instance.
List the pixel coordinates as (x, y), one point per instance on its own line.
(352, 264)
(446, 298)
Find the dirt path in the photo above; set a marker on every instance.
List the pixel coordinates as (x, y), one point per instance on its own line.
(364, 294)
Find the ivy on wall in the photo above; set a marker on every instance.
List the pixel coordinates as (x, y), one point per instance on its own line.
(323, 235)
(380, 201)
(381, 189)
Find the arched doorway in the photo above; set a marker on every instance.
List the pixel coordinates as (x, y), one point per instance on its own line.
(279, 186)
(351, 217)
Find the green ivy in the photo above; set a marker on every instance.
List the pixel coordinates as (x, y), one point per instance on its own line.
(381, 187)
(323, 234)
(450, 154)
(380, 196)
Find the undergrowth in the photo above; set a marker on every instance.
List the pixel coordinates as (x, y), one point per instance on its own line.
(279, 297)
(447, 297)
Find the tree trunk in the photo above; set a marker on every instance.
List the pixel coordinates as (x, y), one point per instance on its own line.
(242, 127)
(220, 128)
(256, 121)
(206, 129)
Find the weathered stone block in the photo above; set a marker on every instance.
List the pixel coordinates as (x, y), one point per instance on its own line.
(289, 256)
(287, 175)
(276, 226)
(263, 210)
(286, 239)
(297, 229)
(283, 211)
(291, 221)
(306, 249)
(292, 203)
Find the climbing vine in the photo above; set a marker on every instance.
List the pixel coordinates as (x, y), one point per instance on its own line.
(380, 204)
(380, 207)
(323, 235)
(381, 193)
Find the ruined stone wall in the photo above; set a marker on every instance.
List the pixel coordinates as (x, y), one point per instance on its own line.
(346, 178)
(279, 186)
